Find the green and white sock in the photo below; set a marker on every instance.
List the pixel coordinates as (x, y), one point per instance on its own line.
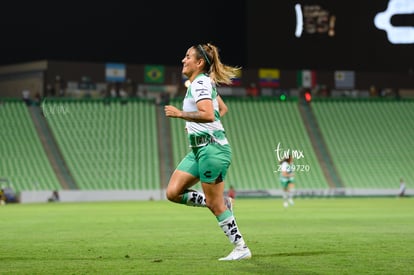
(285, 196)
(228, 224)
(291, 193)
(194, 198)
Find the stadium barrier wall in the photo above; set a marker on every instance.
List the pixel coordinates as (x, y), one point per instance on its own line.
(140, 195)
(90, 196)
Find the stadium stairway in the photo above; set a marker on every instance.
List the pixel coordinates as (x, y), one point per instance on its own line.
(24, 164)
(133, 146)
(51, 148)
(255, 128)
(370, 141)
(164, 146)
(319, 145)
(108, 145)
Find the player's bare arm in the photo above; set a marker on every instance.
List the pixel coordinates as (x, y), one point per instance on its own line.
(204, 114)
(222, 106)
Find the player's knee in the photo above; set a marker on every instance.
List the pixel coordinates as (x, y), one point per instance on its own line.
(172, 195)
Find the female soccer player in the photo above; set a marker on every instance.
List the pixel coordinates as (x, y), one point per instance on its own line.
(210, 154)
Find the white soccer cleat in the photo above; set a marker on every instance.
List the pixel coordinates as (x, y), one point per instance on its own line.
(229, 203)
(239, 253)
(291, 202)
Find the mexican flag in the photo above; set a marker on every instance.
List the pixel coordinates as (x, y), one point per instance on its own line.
(306, 78)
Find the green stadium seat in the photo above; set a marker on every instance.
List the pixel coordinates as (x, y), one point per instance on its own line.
(371, 142)
(23, 162)
(254, 129)
(99, 142)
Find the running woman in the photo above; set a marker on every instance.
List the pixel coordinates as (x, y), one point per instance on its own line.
(210, 154)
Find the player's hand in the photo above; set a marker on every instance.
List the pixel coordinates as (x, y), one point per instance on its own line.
(171, 111)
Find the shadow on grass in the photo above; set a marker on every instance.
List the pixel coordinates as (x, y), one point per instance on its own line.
(304, 253)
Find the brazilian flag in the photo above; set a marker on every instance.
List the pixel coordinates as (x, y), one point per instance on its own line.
(154, 74)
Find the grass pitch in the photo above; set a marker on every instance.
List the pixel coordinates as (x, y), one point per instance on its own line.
(316, 236)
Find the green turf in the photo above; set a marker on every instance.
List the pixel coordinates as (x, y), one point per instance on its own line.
(316, 236)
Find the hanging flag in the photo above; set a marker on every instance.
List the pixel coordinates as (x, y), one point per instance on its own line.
(154, 74)
(344, 79)
(236, 81)
(115, 72)
(269, 78)
(306, 78)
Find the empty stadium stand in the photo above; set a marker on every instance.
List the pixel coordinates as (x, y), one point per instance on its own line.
(107, 145)
(371, 141)
(116, 145)
(255, 128)
(23, 162)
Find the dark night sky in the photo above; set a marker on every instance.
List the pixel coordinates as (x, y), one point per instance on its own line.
(135, 32)
(248, 33)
